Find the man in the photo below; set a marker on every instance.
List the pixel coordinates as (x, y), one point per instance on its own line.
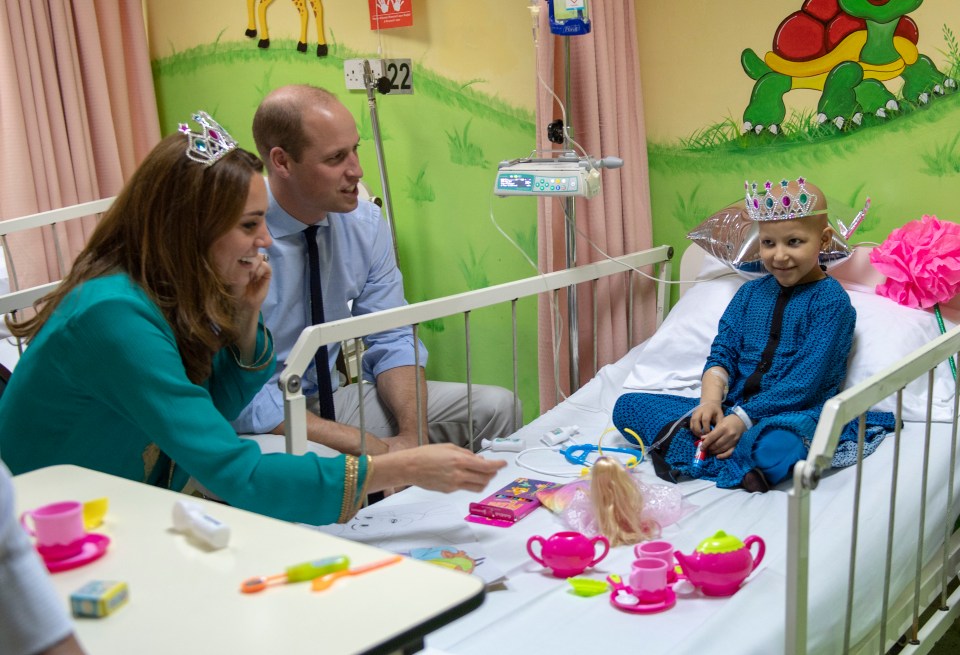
(308, 141)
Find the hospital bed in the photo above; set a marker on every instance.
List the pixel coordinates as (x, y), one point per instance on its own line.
(860, 560)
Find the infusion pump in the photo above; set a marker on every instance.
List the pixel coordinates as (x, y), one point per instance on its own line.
(566, 175)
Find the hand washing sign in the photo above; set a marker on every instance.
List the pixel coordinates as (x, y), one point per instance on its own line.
(385, 14)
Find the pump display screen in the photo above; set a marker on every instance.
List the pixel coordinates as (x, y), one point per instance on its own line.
(515, 182)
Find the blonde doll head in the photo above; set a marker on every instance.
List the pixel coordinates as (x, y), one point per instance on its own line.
(618, 504)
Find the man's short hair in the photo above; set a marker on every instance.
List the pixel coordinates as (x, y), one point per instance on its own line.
(278, 121)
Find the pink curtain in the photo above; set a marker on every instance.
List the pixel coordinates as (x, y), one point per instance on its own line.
(77, 114)
(606, 113)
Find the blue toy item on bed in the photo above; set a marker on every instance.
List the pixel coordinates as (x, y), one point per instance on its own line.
(578, 453)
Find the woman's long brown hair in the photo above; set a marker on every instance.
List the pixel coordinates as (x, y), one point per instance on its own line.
(159, 231)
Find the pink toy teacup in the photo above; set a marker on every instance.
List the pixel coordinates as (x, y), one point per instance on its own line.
(662, 550)
(568, 553)
(58, 529)
(648, 579)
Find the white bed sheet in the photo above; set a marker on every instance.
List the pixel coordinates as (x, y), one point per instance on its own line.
(538, 613)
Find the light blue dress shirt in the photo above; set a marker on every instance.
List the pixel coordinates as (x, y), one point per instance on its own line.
(359, 275)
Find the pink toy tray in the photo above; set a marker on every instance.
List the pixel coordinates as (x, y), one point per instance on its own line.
(623, 598)
(94, 547)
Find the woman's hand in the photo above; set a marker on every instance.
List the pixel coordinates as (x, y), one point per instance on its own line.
(251, 297)
(437, 467)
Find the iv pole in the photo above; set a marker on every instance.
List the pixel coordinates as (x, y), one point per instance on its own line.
(383, 86)
(570, 227)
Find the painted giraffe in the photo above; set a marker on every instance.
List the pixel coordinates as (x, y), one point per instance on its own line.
(301, 5)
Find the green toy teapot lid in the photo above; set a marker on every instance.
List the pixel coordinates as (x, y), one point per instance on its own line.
(721, 542)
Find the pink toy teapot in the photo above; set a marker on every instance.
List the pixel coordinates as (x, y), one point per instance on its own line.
(721, 562)
(568, 553)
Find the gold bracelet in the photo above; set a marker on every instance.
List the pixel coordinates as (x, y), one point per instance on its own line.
(362, 496)
(260, 363)
(347, 504)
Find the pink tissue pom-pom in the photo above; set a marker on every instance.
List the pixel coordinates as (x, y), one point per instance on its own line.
(921, 261)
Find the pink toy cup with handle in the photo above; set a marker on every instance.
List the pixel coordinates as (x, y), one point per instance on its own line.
(661, 550)
(568, 553)
(57, 527)
(648, 579)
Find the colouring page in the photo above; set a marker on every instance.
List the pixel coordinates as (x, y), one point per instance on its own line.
(400, 528)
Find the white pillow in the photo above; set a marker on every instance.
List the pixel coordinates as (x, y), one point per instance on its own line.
(673, 358)
(886, 332)
(672, 361)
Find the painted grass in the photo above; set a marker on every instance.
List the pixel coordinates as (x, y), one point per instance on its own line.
(419, 189)
(945, 158)
(283, 51)
(463, 149)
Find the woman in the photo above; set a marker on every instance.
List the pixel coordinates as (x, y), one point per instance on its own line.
(153, 342)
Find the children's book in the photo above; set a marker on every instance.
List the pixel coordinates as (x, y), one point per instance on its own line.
(508, 505)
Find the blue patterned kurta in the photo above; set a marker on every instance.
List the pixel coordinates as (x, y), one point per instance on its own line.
(807, 367)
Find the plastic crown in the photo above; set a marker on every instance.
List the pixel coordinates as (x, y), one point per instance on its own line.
(771, 206)
(211, 144)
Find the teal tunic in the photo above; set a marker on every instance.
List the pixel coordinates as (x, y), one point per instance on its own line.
(102, 386)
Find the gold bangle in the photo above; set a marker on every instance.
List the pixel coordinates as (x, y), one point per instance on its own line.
(362, 496)
(347, 503)
(259, 363)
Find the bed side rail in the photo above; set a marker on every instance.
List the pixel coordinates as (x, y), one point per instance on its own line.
(312, 338)
(837, 412)
(19, 298)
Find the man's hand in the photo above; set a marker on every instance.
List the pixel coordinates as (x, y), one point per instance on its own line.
(339, 437)
(403, 441)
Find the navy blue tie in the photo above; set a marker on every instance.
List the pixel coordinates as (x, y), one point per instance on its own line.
(321, 359)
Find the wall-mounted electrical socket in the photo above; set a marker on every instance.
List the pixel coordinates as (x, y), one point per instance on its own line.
(353, 72)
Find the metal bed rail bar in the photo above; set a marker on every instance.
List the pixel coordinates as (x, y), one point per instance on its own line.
(19, 298)
(312, 338)
(930, 580)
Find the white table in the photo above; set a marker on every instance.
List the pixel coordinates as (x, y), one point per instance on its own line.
(185, 598)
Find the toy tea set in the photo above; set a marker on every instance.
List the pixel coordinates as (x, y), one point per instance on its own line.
(61, 531)
(717, 567)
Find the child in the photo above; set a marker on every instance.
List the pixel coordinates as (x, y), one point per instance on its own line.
(779, 354)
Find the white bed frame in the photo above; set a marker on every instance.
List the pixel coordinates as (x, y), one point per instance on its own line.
(902, 619)
(906, 619)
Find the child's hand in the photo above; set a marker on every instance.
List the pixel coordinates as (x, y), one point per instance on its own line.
(724, 438)
(704, 417)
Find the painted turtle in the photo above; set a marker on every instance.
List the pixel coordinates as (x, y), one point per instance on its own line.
(846, 49)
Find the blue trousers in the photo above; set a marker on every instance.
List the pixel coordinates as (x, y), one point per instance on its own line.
(776, 452)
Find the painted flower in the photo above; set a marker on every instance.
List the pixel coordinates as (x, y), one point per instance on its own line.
(921, 261)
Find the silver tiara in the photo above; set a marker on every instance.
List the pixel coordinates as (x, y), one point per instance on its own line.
(211, 143)
(768, 205)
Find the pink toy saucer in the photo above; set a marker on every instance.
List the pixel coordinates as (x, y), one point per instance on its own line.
(94, 547)
(622, 598)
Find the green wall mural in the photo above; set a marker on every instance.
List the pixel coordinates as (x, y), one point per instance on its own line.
(907, 159)
(847, 49)
(441, 146)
